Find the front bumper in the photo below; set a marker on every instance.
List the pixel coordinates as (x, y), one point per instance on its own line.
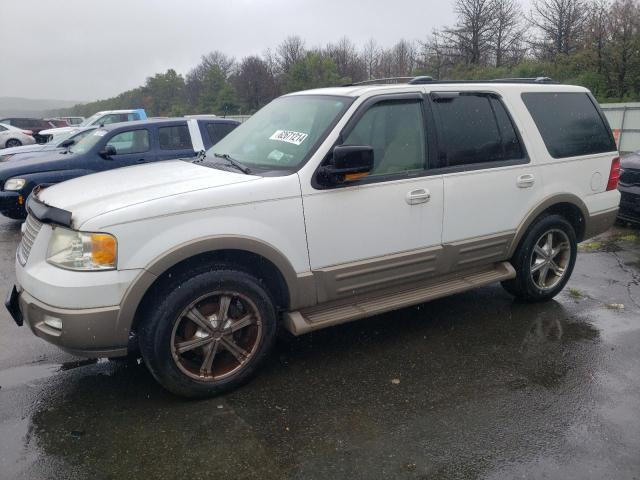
(87, 332)
(11, 202)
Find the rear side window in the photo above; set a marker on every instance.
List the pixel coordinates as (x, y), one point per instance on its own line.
(217, 131)
(569, 123)
(175, 138)
(475, 129)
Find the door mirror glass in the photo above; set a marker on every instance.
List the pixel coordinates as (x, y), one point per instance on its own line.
(349, 163)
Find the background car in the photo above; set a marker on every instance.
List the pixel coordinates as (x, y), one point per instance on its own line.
(27, 151)
(98, 119)
(35, 125)
(14, 137)
(106, 148)
(629, 187)
(72, 121)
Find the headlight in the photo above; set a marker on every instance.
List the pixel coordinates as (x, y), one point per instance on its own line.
(14, 184)
(82, 251)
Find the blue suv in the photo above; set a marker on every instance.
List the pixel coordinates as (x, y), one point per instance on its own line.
(112, 146)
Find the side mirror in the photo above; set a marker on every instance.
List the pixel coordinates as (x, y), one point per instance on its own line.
(67, 143)
(349, 163)
(108, 151)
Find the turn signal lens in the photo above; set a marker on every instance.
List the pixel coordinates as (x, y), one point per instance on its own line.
(103, 249)
(614, 174)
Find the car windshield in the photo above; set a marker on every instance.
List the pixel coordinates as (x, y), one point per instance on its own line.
(87, 143)
(279, 136)
(76, 136)
(89, 121)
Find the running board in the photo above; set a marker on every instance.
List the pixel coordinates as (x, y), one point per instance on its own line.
(334, 313)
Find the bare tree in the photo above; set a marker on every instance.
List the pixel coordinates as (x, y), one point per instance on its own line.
(435, 57)
(623, 52)
(561, 25)
(254, 83)
(345, 55)
(370, 54)
(404, 58)
(471, 37)
(290, 51)
(597, 30)
(507, 33)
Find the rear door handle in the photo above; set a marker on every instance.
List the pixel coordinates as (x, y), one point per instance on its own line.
(142, 160)
(526, 180)
(421, 195)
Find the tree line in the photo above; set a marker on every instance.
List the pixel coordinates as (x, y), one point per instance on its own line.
(594, 43)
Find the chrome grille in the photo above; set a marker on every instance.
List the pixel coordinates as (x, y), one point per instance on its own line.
(30, 231)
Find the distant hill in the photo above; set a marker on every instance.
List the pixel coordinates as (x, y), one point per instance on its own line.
(31, 107)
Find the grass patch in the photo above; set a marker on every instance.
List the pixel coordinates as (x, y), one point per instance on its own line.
(590, 246)
(575, 293)
(629, 237)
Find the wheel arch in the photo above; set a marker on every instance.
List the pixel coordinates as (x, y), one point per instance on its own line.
(569, 206)
(289, 289)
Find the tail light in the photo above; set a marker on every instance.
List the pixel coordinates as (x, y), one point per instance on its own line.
(27, 132)
(614, 175)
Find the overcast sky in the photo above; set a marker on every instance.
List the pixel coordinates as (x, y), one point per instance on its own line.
(90, 49)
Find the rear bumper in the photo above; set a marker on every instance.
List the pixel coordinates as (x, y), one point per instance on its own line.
(600, 222)
(87, 332)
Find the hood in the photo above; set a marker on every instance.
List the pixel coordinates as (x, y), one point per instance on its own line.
(58, 131)
(36, 162)
(99, 193)
(36, 147)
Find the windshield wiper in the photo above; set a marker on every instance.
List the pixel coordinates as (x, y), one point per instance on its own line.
(234, 163)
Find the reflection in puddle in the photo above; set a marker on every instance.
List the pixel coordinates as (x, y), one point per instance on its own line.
(547, 345)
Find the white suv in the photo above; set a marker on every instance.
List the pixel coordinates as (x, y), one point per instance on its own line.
(324, 207)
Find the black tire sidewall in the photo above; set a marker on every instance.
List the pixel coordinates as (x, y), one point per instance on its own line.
(17, 143)
(524, 287)
(156, 329)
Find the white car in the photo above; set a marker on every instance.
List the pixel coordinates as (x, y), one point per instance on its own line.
(98, 119)
(325, 207)
(14, 137)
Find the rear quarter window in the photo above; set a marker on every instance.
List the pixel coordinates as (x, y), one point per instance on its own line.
(569, 123)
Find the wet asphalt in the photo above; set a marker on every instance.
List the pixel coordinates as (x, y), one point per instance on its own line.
(471, 386)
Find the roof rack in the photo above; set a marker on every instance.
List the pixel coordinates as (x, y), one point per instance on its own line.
(421, 80)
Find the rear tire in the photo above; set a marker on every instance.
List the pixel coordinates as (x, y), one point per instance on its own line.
(207, 332)
(544, 260)
(13, 142)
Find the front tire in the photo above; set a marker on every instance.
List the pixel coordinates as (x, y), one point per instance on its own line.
(544, 260)
(206, 333)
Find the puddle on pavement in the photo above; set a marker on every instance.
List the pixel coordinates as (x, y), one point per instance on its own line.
(25, 374)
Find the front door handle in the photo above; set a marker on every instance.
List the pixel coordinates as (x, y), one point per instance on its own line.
(142, 160)
(421, 195)
(526, 180)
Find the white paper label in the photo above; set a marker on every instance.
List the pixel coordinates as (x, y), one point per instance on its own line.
(296, 138)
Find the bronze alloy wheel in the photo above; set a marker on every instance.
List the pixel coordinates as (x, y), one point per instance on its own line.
(549, 260)
(216, 336)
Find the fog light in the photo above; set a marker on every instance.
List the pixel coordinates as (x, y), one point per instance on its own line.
(53, 322)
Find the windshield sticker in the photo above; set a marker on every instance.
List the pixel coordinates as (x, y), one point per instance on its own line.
(296, 138)
(275, 155)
